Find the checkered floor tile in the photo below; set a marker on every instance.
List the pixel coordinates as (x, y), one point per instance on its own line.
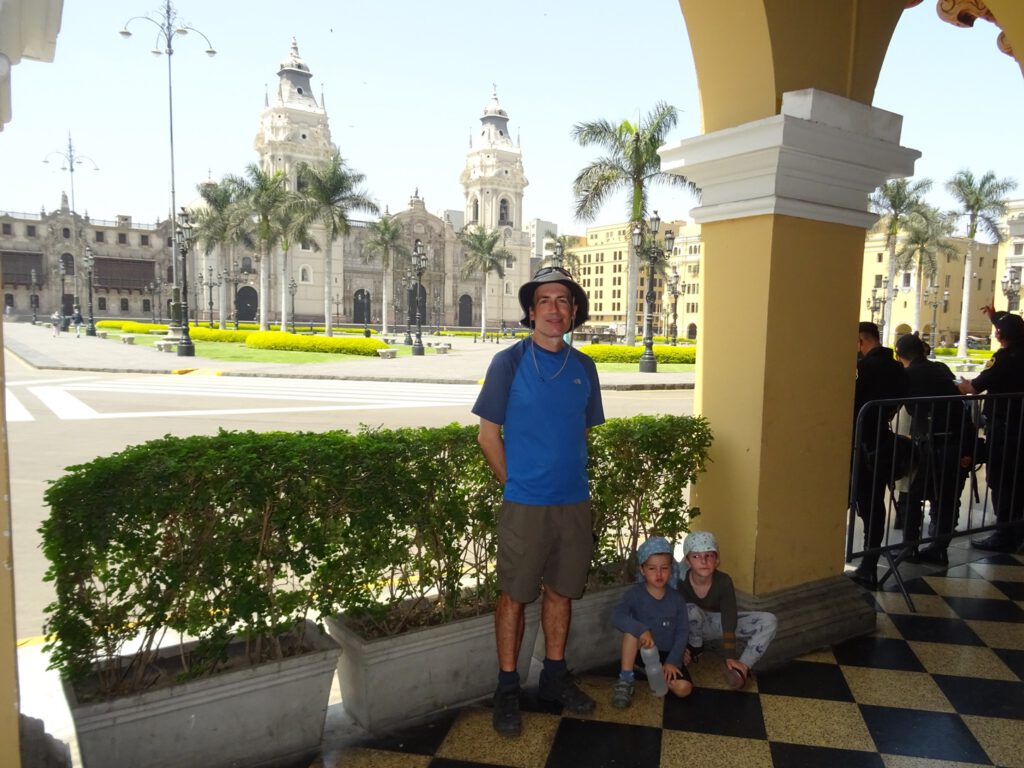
(942, 686)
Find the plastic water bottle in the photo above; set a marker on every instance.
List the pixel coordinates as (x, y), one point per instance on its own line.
(655, 674)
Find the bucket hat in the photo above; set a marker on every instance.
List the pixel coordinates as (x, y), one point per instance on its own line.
(554, 275)
(701, 541)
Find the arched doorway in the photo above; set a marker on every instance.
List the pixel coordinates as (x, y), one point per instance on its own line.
(465, 310)
(362, 309)
(691, 331)
(247, 303)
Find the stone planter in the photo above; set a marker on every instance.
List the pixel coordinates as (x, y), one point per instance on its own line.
(263, 716)
(392, 680)
(593, 641)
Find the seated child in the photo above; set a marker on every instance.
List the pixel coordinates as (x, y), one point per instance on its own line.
(652, 614)
(711, 601)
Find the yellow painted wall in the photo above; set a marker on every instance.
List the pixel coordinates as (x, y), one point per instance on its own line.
(787, 45)
(776, 490)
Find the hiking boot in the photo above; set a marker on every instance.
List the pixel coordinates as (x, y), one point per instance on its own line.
(506, 718)
(564, 690)
(622, 694)
(997, 542)
(933, 555)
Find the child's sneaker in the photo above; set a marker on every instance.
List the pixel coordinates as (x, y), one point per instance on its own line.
(622, 694)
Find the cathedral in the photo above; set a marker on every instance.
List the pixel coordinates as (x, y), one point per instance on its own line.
(46, 259)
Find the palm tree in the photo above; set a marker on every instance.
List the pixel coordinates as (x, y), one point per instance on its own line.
(570, 259)
(983, 202)
(631, 163)
(386, 241)
(329, 191)
(894, 202)
(926, 240)
(215, 223)
(261, 195)
(292, 223)
(483, 255)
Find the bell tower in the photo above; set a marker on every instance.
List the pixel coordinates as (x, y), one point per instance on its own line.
(493, 177)
(293, 127)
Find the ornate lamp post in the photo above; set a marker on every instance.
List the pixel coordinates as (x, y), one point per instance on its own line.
(337, 309)
(407, 287)
(1011, 288)
(931, 297)
(185, 346)
(559, 255)
(89, 261)
(437, 311)
(419, 266)
(366, 314)
(168, 25)
(648, 363)
(60, 301)
(673, 289)
(35, 295)
(210, 285)
(292, 290)
(876, 304)
(234, 279)
(155, 287)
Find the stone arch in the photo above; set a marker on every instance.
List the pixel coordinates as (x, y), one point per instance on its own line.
(691, 331)
(362, 309)
(247, 304)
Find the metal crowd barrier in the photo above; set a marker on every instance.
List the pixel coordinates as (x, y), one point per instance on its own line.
(920, 468)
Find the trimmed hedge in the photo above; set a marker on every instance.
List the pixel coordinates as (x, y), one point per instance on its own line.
(331, 345)
(620, 353)
(216, 334)
(242, 534)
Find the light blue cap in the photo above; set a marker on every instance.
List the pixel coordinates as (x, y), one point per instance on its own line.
(656, 545)
(700, 541)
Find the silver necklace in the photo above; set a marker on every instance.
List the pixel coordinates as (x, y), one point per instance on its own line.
(533, 351)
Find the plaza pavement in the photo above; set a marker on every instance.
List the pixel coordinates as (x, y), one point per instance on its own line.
(465, 364)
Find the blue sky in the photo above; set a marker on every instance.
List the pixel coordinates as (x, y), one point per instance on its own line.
(405, 83)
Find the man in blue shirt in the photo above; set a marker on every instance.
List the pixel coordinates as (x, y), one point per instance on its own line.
(539, 399)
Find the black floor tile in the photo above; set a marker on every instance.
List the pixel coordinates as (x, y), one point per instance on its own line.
(932, 629)
(986, 609)
(807, 679)
(988, 698)
(1013, 659)
(916, 733)
(422, 739)
(598, 744)
(878, 653)
(722, 713)
(800, 756)
(1012, 589)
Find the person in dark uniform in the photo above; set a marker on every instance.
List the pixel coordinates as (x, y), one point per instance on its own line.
(879, 377)
(1003, 431)
(944, 435)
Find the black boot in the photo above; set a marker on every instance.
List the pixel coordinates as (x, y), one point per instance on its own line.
(1000, 541)
(867, 572)
(934, 554)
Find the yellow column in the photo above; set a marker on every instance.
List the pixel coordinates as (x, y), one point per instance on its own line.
(8, 639)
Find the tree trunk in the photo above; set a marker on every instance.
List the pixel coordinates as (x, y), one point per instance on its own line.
(385, 301)
(285, 308)
(264, 297)
(632, 280)
(328, 273)
(965, 309)
(483, 310)
(917, 297)
(888, 335)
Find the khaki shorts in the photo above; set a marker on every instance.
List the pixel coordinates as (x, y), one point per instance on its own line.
(550, 545)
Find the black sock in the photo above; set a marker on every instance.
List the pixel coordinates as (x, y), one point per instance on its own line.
(508, 681)
(553, 668)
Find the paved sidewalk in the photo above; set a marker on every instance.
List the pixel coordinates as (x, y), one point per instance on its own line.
(465, 364)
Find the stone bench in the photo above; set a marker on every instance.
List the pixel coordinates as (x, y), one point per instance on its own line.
(441, 349)
(166, 346)
(387, 354)
(101, 334)
(127, 339)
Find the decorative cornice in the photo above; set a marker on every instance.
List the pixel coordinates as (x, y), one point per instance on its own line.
(820, 159)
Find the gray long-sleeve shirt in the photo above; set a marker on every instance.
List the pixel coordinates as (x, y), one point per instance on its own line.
(667, 619)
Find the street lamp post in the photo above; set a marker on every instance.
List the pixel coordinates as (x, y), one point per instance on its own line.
(60, 301)
(292, 289)
(89, 262)
(154, 287)
(648, 363)
(1011, 288)
(35, 294)
(931, 294)
(234, 279)
(169, 27)
(437, 312)
(407, 287)
(185, 346)
(210, 285)
(366, 314)
(559, 255)
(419, 266)
(673, 289)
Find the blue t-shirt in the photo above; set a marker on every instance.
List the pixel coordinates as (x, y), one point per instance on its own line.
(545, 402)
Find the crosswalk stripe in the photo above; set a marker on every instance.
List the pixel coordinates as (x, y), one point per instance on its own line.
(14, 409)
(63, 403)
